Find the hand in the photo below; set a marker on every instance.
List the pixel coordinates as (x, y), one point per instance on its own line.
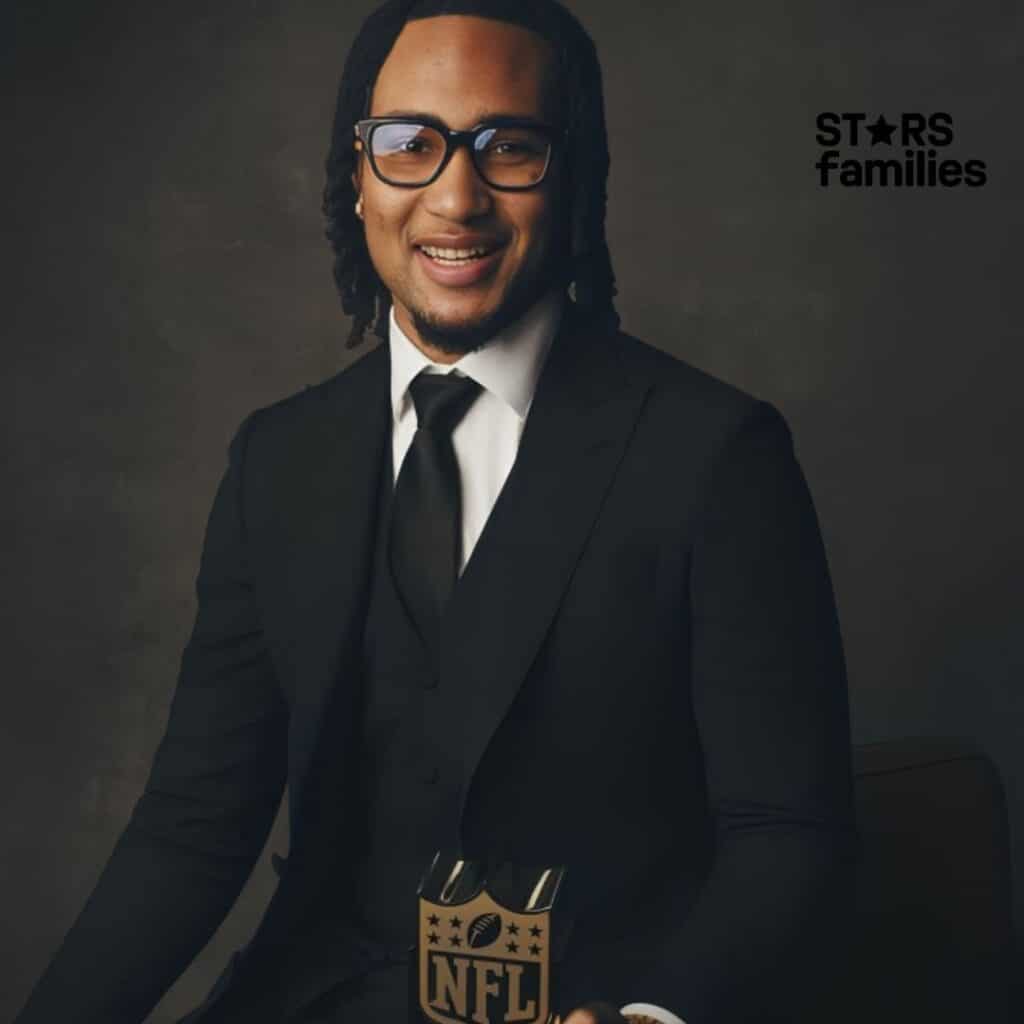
(596, 1013)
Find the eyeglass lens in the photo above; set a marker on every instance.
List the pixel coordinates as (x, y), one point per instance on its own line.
(410, 154)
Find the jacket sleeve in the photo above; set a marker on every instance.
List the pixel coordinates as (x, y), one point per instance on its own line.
(211, 797)
(770, 696)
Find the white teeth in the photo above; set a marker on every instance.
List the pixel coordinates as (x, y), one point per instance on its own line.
(453, 254)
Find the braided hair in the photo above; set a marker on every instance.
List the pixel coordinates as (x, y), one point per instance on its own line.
(363, 295)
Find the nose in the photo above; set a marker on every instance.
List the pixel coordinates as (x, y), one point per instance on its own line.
(459, 194)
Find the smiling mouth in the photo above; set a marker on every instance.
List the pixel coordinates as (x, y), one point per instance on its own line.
(456, 257)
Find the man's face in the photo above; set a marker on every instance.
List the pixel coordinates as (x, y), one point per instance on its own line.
(463, 70)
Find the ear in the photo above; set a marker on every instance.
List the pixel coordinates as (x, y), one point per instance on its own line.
(357, 173)
(357, 185)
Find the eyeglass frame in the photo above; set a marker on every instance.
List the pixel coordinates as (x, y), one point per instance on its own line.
(453, 140)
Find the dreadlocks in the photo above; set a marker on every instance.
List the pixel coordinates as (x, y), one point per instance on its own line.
(363, 295)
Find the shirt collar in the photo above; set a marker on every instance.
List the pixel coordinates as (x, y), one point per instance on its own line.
(508, 365)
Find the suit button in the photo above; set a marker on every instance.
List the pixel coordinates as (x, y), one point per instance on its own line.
(431, 773)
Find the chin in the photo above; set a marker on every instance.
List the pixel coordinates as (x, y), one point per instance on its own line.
(456, 328)
(457, 335)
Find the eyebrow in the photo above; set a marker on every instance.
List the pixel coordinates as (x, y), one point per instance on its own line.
(482, 116)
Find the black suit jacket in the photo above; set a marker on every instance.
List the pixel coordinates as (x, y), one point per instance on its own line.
(647, 631)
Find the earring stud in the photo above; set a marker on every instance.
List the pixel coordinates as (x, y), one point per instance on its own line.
(359, 207)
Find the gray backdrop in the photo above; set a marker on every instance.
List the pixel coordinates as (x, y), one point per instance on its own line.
(166, 273)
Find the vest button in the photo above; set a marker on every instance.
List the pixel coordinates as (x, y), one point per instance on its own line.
(431, 773)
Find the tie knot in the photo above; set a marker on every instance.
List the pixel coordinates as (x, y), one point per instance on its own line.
(442, 399)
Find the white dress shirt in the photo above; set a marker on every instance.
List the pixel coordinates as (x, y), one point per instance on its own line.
(486, 439)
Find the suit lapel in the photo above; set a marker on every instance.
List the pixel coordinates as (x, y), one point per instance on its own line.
(320, 501)
(583, 412)
(333, 486)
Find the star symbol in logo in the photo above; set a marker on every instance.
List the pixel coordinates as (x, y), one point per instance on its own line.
(881, 131)
(434, 938)
(513, 928)
(455, 922)
(434, 919)
(534, 949)
(455, 940)
(535, 931)
(512, 947)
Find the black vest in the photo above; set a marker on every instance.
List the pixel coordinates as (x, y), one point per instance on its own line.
(408, 801)
(410, 795)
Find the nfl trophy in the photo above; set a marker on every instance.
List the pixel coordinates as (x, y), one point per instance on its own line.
(488, 936)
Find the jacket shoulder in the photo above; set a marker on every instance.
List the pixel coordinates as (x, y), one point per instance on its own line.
(687, 395)
(316, 403)
(345, 384)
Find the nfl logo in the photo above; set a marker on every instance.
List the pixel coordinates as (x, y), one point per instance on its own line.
(481, 963)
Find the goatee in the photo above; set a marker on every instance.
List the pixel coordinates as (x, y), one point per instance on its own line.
(457, 339)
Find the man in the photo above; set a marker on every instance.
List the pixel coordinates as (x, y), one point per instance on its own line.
(513, 583)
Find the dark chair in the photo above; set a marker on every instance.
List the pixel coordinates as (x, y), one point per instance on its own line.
(933, 935)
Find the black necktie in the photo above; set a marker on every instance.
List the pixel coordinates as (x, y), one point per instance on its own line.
(426, 528)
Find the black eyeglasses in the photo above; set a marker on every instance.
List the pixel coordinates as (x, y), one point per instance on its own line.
(510, 154)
